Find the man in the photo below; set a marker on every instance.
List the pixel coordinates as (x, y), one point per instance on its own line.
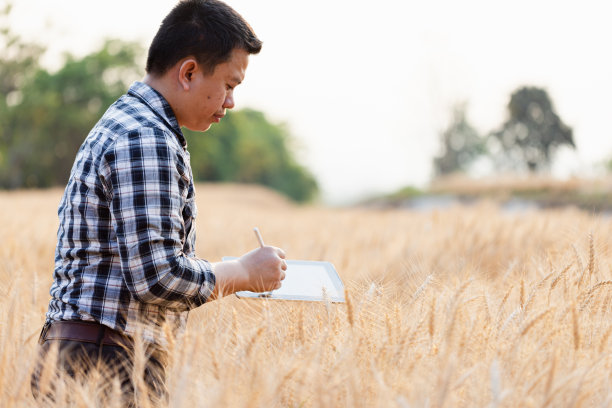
(125, 263)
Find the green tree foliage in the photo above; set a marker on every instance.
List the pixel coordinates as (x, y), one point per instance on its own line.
(53, 113)
(18, 61)
(460, 143)
(531, 134)
(45, 116)
(247, 148)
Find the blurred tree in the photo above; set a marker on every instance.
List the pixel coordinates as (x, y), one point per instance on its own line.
(18, 62)
(247, 148)
(460, 144)
(531, 134)
(18, 59)
(45, 116)
(45, 126)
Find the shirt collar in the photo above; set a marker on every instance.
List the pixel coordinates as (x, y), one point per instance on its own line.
(159, 106)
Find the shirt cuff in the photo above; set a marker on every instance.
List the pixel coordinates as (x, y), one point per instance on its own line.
(209, 281)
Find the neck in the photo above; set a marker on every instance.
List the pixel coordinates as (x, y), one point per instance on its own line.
(161, 85)
(158, 84)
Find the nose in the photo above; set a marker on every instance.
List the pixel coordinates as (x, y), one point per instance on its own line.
(229, 101)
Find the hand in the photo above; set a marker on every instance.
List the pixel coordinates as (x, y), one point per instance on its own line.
(264, 268)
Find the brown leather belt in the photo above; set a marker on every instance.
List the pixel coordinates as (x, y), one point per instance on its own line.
(87, 332)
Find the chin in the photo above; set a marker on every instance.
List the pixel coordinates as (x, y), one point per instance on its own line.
(201, 128)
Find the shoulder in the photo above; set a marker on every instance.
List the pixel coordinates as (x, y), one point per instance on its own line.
(129, 122)
(144, 154)
(128, 114)
(145, 145)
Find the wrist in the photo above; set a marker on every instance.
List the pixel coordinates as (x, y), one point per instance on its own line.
(240, 276)
(230, 276)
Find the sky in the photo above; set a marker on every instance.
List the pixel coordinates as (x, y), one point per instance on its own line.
(366, 87)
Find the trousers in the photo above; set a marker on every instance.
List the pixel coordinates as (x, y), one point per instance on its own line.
(78, 360)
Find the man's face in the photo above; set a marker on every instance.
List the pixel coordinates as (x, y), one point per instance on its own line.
(211, 94)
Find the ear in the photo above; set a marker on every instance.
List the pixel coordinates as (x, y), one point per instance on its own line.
(187, 70)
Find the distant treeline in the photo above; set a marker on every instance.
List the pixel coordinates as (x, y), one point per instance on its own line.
(526, 141)
(45, 116)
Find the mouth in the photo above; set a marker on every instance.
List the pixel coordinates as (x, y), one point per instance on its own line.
(217, 118)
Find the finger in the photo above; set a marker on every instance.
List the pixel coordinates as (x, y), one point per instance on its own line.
(281, 253)
(283, 265)
(278, 285)
(283, 275)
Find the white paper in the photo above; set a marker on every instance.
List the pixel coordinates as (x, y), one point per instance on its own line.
(304, 279)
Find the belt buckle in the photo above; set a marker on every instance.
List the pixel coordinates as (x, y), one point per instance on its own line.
(43, 331)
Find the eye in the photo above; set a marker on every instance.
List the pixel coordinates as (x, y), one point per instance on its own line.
(229, 87)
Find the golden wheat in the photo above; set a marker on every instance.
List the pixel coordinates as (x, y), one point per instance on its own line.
(445, 308)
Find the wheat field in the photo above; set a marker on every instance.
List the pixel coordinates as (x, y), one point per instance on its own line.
(462, 307)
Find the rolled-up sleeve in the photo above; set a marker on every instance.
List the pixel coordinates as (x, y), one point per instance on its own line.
(148, 181)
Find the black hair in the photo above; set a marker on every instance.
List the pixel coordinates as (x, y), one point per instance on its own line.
(208, 30)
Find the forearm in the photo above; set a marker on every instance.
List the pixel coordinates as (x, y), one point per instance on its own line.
(260, 270)
(230, 277)
(177, 282)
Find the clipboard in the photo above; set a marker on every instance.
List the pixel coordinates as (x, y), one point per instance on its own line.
(304, 280)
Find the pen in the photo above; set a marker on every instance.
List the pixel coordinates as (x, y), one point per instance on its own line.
(261, 244)
(259, 238)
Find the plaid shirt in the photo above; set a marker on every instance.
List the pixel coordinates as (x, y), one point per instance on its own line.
(125, 244)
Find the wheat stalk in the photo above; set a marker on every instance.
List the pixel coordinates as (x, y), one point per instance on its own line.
(431, 327)
(522, 295)
(591, 267)
(500, 308)
(604, 339)
(578, 260)
(538, 286)
(588, 295)
(576, 327)
(533, 321)
(349, 308)
(561, 275)
(551, 376)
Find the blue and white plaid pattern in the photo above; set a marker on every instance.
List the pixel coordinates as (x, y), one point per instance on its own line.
(125, 244)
